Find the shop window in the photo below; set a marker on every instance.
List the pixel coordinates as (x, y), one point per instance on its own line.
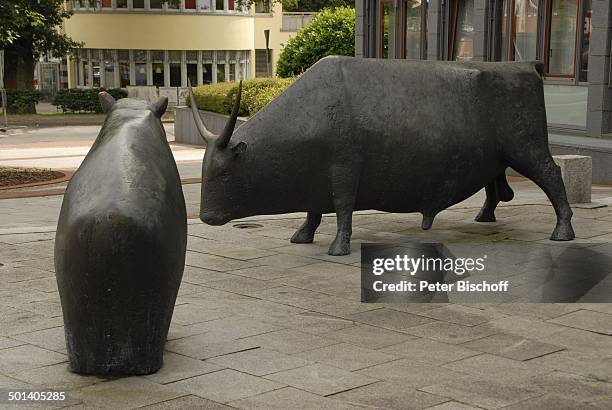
(204, 5)
(124, 67)
(109, 68)
(461, 45)
(190, 4)
(219, 6)
(122, 4)
(140, 64)
(138, 4)
(156, 4)
(230, 5)
(106, 4)
(192, 73)
(387, 32)
(562, 30)
(158, 74)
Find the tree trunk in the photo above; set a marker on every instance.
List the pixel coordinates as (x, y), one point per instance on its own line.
(19, 66)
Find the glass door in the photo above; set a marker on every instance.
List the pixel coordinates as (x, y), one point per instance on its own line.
(561, 44)
(387, 36)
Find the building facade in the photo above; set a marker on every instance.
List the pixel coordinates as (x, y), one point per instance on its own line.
(151, 43)
(571, 38)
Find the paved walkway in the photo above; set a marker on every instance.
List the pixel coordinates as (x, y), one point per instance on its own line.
(262, 323)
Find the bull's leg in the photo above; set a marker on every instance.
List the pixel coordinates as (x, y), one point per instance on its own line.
(497, 191)
(344, 186)
(547, 175)
(306, 232)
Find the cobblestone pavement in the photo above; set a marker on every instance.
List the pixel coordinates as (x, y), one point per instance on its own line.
(262, 323)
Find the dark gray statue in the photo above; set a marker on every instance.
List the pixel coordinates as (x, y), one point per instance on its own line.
(120, 244)
(392, 135)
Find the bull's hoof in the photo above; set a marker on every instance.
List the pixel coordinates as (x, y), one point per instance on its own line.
(339, 248)
(485, 215)
(302, 236)
(427, 222)
(563, 232)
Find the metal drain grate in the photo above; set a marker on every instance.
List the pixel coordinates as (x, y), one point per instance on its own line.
(247, 226)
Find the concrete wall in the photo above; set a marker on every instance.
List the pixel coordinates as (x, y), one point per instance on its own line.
(185, 130)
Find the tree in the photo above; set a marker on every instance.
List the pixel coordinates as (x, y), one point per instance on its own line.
(331, 32)
(29, 29)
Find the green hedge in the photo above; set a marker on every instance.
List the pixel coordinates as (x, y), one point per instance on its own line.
(256, 94)
(22, 101)
(84, 99)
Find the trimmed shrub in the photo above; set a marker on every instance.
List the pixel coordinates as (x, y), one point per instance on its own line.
(331, 32)
(256, 94)
(22, 101)
(84, 99)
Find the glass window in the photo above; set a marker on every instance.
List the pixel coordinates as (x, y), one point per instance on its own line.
(192, 73)
(505, 22)
(141, 73)
(124, 67)
(109, 68)
(219, 6)
(586, 35)
(220, 73)
(462, 47)
(156, 4)
(106, 3)
(175, 74)
(204, 5)
(413, 29)
(525, 30)
(232, 72)
(86, 67)
(230, 5)
(387, 35)
(207, 55)
(140, 55)
(562, 37)
(191, 56)
(122, 4)
(262, 6)
(157, 55)
(175, 56)
(207, 73)
(172, 5)
(190, 4)
(138, 4)
(261, 63)
(158, 74)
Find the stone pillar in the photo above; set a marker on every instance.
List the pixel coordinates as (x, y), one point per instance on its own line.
(577, 175)
(480, 30)
(599, 103)
(434, 11)
(360, 28)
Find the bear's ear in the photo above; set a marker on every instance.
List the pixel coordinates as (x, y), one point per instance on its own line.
(106, 101)
(159, 106)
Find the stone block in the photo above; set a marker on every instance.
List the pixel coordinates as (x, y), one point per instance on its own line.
(577, 174)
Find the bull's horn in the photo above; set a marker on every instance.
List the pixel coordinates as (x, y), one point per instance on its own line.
(206, 135)
(227, 132)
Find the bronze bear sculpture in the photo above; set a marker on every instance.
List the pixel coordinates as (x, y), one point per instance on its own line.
(120, 244)
(392, 135)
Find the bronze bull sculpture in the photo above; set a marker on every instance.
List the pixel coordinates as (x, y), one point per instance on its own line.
(120, 244)
(393, 135)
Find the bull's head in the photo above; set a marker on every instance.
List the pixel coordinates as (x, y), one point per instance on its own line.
(223, 174)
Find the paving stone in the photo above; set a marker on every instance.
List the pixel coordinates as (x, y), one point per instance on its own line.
(462, 315)
(207, 346)
(263, 272)
(259, 362)
(241, 285)
(56, 377)
(214, 262)
(450, 332)
(187, 402)
(290, 341)
(486, 394)
(290, 398)
(15, 359)
(528, 328)
(344, 308)
(289, 295)
(177, 367)
(346, 356)
(47, 308)
(429, 351)
(124, 393)
(488, 366)
(50, 339)
(390, 395)
(581, 341)
(369, 336)
(587, 320)
(550, 402)
(390, 319)
(574, 387)
(284, 261)
(592, 366)
(200, 276)
(413, 374)
(6, 342)
(188, 314)
(536, 310)
(512, 347)
(226, 385)
(316, 323)
(320, 379)
(453, 405)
